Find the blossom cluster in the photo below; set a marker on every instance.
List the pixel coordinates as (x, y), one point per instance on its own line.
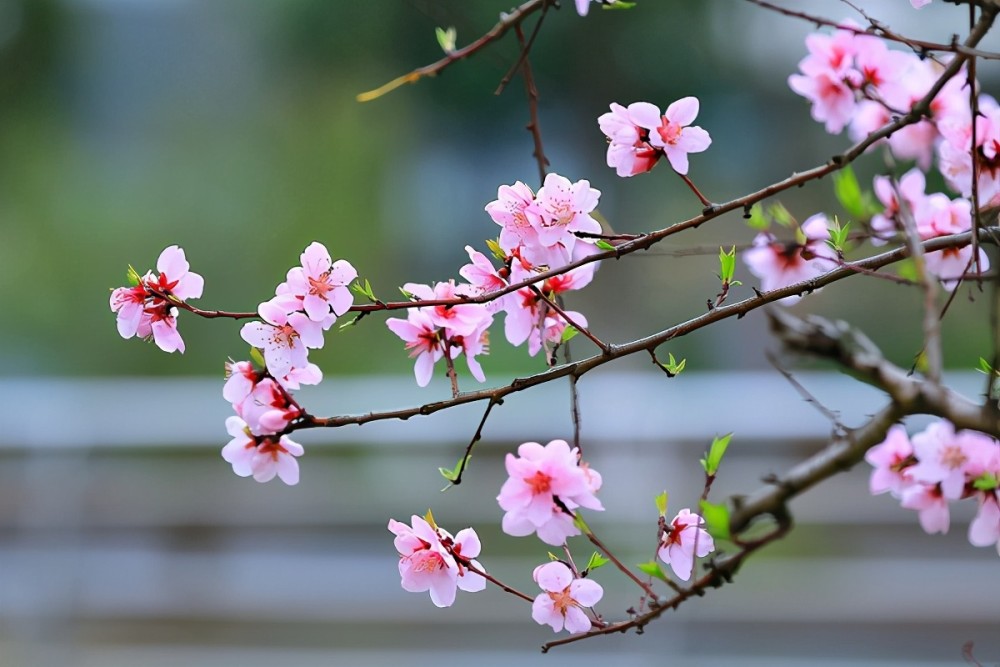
(546, 484)
(640, 134)
(937, 466)
(780, 264)
(683, 541)
(147, 308)
(856, 81)
(539, 232)
(304, 306)
(432, 559)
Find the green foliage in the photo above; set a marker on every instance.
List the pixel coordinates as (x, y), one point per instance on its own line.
(727, 266)
(715, 453)
(446, 38)
(621, 4)
(569, 333)
(988, 481)
(364, 290)
(653, 569)
(257, 357)
(452, 474)
(674, 367)
(494, 246)
(838, 235)
(757, 219)
(604, 245)
(716, 519)
(661, 503)
(859, 205)
(596, 561)
(132, 276)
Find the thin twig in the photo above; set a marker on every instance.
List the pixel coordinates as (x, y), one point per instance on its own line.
(531, 91)
(472, 443)
(569, 320)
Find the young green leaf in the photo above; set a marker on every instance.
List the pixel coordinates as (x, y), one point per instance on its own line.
(494, 246)
(451, 474)
(716, 519)
(661, 503)
(757, 219)
(581, 524)
(568, 333)
(602, 244)
(988, 481)
(715, 453)
(429, 518)
(727, 265)
(621, 4)
(132, 276)
(838, 235)
(596, 561)
(257, 357)
(780, 214)
(652, 568)
(446, 38)
(985, 368)
(674, 367)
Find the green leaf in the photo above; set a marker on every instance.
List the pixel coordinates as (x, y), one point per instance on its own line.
(727, 265)
(257, 357)
(446, 38)
(838, 235)
(132, 276)
(406, 295)
(716, 519)
(988, 481)
(621, 4)
(907, 270)
(596, 561)
(569, 333)
(494, 246)
(661, 503)
(451, 474)
(351, 322)
(780, 214)
(985, 368)
(848, 192)
(673, 366)
(553, 557)
(757, 219)
(715, 453)
(581, 524)
(652, 568)
(604, 245)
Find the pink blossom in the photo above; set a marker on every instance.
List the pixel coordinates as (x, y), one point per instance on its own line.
(629, 150)
(683, 541)
(268, 408)
(931, 505)
(430, 559)
(283, 337)
(917, 4)
(262, 457)
(321, 284)
(422, 340)
(911, 187)
(945, 457)
(543, 483)
(891, 459)
(147, 310)
(564, 596)
(782, 264)
(984, 530)
(833, 102)
(559, 209)
(672, 132)
(510, 211)
(456, 320)
(485, 277)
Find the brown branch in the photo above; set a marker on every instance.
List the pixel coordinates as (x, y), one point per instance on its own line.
(563, 314)
(879, 29)
(507, 21)
(579, 368)
(477, 436)
(532, 92)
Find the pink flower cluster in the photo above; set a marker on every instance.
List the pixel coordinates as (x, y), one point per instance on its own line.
(146, 309)
(538, 232)
(431, 559)
(639, 135)
(545, 486)
(939, 465)
(856, 81)
(934, 215)
(683, 541)
(780, 264)
(563, 597)
(305, 305)
(431, 332)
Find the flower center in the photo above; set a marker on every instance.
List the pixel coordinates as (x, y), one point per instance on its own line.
(539, 482)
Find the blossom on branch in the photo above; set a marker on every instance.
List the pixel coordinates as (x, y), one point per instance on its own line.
(780, 264)
(320, 284)
(431, 559)
(684, 541)
(545, 486)
(564, 596)
(264, 457)
(148, 310)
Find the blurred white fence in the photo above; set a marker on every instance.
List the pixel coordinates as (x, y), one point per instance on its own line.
(125, 540)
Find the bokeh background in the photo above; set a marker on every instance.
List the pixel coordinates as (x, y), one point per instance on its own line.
(231, 128)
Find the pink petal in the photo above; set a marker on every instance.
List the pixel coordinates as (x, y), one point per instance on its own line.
(683, 111)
